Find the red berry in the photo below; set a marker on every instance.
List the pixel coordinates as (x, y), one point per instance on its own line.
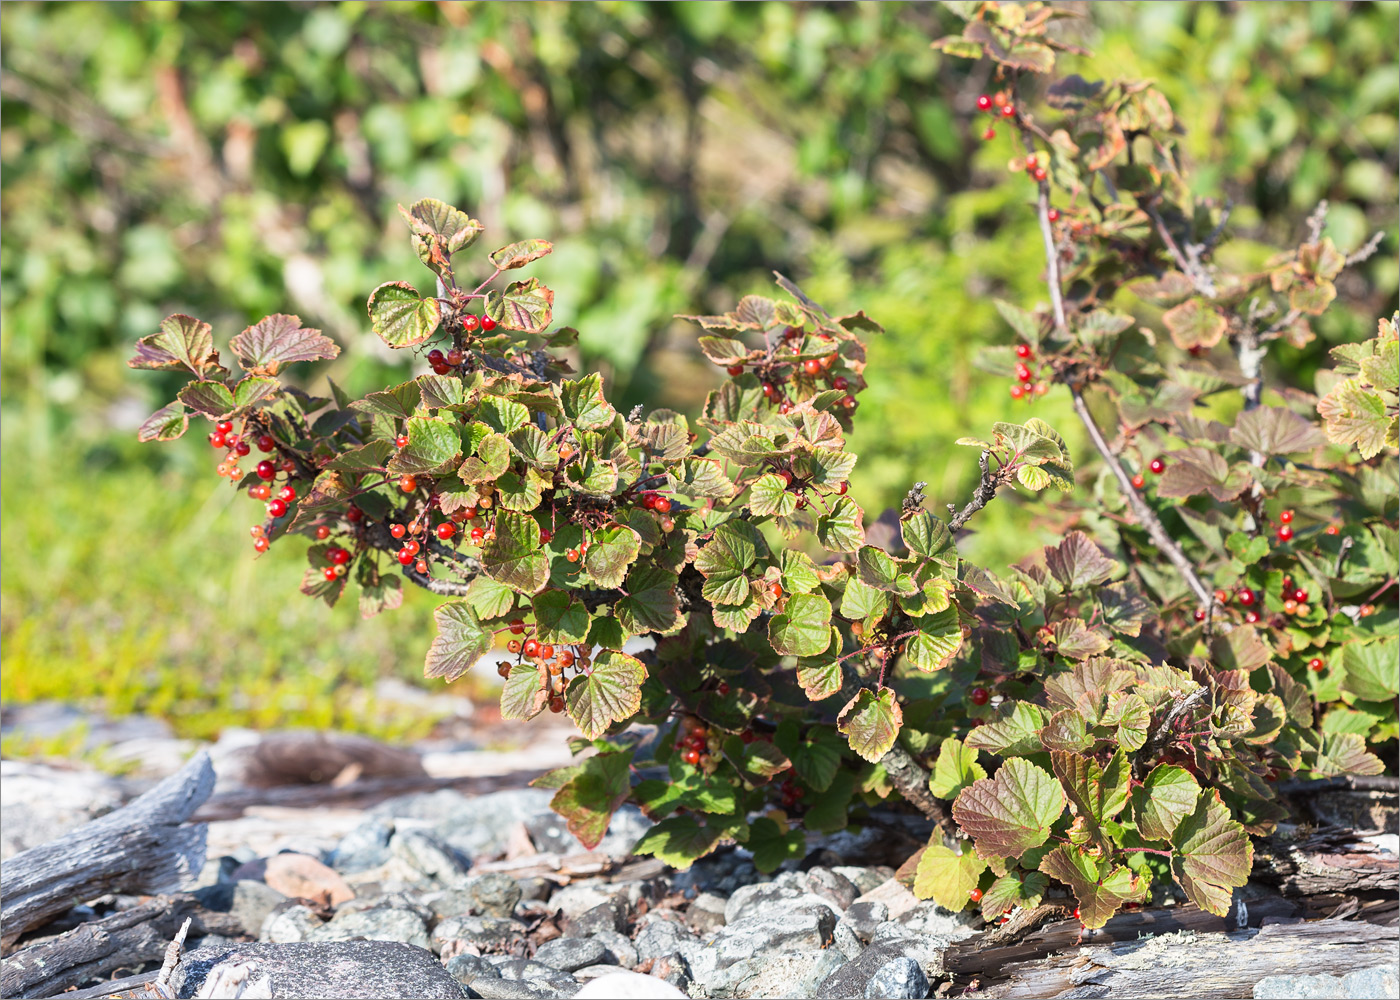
(446, 530)
(984, 103)
(265, 442)
(1139, 482)
(441, 369)
(323, 532)
(663, 506)
(1303, 610)
(1286, 517)
(478, 535)
(546, 536)
(840, 383)
(401, 441)
(990, 134)
(975, 895)
(1316, 664)
(353, 514)
(777, 590)
(436, 357)
(668, 525)
(1200, 615)
(980, 696)
(1041, 388)
(1076, 913)
(785, 407)
(793, 333)
(408, 483)
(413, 546)
(1284, 533)
(265, 470)
(849, 402)
(722, 687)
(1023, 351)
(276, 507)
(1017, 390)
(1157, 466)
(1290, 607)
(338, 556)
(397, 530)
(1008, 110)
(769, 389)
(1246, 597)
(735, 369)
(1032, 162)
(1252, 617)
(328, 572)
(1300, 595)
(1038, 174)
(691, 756)
(1023, 372)
(488, 324)
(517, 626)
(1332, 529)
(1221, 597)
(571, 555)
(405, 557)
(841, 488)
(1053, 215)
(241, 448)
(812, 366)
(287, 493)
(531, 647)
(566, 658)
(470, 323)
(259, 492)
(546, 652)
(649, 500)
(455, 357)
(260, 544)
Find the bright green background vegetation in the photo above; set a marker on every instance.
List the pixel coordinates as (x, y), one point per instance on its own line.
(231, 160)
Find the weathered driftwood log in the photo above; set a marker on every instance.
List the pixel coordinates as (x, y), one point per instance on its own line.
(139, 848)
(122, 940)
(1199, 966)
(1325, 863)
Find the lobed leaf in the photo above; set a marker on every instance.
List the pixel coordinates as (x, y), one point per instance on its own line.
(1012, 812)
(947, 876)
(277, 340)
(401, 316)
(871, 722)
(610, 692)
(460, 642)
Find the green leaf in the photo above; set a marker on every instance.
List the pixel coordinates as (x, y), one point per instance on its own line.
(1098, 794)
(401, 316)
(1077, 563)
(433, 446)
(1016, 888)
(525, 692)
(489, 599)
(560, 617)
(769, 495)
(876, 568)
(1213, 854)
(166, 424)
(492, 458)
(610, 552)
(534, 446)
(841, 530)
(591, 474)
(399, 402)
(277, 340)
(181, 341)
(771, 846)
(860, 601)
(520, 492)
(210, 398)
(1167, 797)
(1026, 325)
(871, 722)
(448, 392)
(460, 642)
(514, 557)
(502, 415)
(1066, 731)
(650, 604)
(521, 253)
(1099, 886)
(527, 306)
(1370, 668)
(947, 876)
(610, 692)
(1276, 430)
(804, 626)
(378, 593)
(1077, 641)
(1129, 712)
(925, 535)
(1194, 323)
(955, 769)
(1345, 753)
(820, 676)
(584, 404)
(1010, 813)
(815, 760)
(799, 573)
(430, 219)
(764, 760)
(725, 560)
(589, 799)
(1016, 730)
(680, 841)
(1356, 415)
(938, 640)
(700, 478)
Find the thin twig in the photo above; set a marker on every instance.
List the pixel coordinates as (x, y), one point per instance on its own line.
(1366, 250)
(984, 494)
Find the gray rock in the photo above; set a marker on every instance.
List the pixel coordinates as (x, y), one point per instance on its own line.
(466, 969)
(383, 924)
(42, 802)
(1377, 981)
(795, 975)
(629, 986)
(567, 954)
(536, 888)
(865, 879)
(931, 920)
(580, 897)
(428, 855)
(389, 900)
(363, 848)
(762, 935)
(720, 873)
(485, 933)
(448, 903)
(608, 916)
(761, 896)
(510, 989)
(924, 949)
(289, 925)
(849, 982)
(495, 894)
(673, 970)
(217, 871)
(901, 979)
(706, 912)
(550, 834)
(352, 969)
(661, 936)
(248, 901)
(865, 917)
(844, 940)
(529, 970)
(618, 949)
(835, 888)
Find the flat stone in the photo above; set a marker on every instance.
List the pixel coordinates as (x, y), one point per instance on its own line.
(706, 912)
(567, 954)
(610, 915)
(900, 979)
(350, 969)
(865, 879)
(759, 936)
(864, 918)
(794, 975)
(365, 847)
(661, 936)
(383, 924)
(894, 895)
(844, 940)
(772, 899)
(931, 920)
(1377, 981)
(850, 981)
(247, 901)
(629, 986)
(43, 803)
(510, 989)
(390, 900)
(292, 924)
(618, 949)
(429, 856)
(300, 876)
(466, 969)
(495, 894)
(529, 970)
(833, 887)
(448, 903)
(486, 933)
(580, 897)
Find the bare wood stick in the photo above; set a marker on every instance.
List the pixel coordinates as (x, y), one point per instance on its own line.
(139, 848)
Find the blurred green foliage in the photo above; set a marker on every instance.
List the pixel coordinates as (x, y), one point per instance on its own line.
(231, 160)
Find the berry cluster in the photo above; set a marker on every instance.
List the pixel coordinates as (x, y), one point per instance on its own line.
(997, 105)
(573, 659)
(479, 527)
(1027, 386)
(776, 371)
(1157, 466)
(697, 745)
(232, 438)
